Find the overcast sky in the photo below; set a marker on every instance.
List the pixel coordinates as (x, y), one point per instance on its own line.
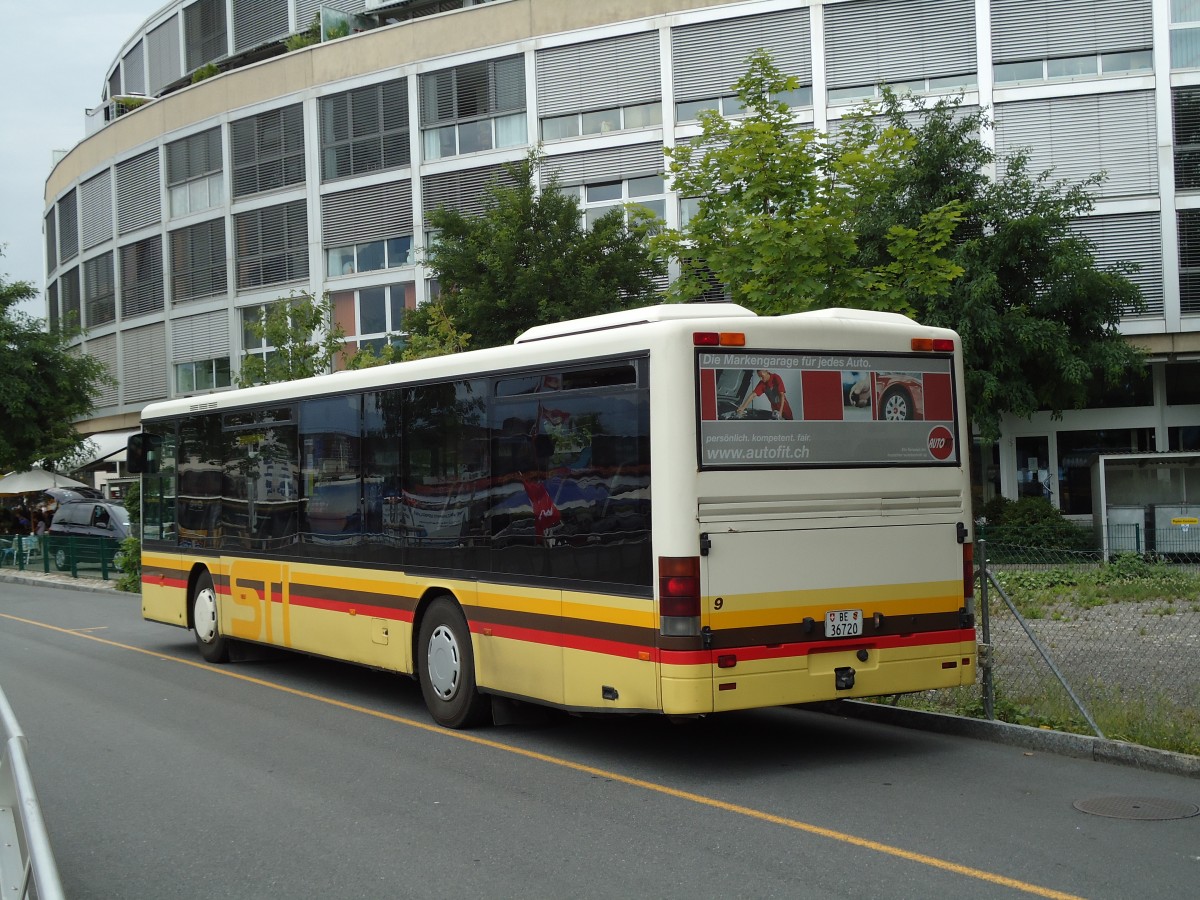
(56, 55)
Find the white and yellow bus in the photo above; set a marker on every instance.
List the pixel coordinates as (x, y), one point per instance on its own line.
(680, 510)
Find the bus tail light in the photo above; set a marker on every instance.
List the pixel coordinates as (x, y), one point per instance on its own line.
(719, 338)
(679, 595)
(937, 345)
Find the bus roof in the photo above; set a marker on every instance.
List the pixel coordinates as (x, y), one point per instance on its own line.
(664, 312)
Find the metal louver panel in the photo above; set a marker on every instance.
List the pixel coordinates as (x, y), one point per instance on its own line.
(68, 292)
(1037, 29)
(114, 82)
(272, 244)
(99, 291)
(614, 72)
(198, 261)
(367, 214)
(142, 288)
(95, 209)
(204, 32)
(51, 242)
(52, 305)
(256, 22)
(607, 165)
(702, 71)
(138, 200)
(365, 130)
(104, 350)
(897, 40)
(1134, 238)
(144, 372)
(464, 191)
(133, 69)
(1079, 136)
(165, 58)
(68, 228)
(205, 336)
(193, 156)
(267, 150)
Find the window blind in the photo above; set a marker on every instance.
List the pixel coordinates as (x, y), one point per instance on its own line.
(701, 72)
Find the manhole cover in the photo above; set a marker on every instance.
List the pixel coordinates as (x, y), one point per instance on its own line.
(1136, 808)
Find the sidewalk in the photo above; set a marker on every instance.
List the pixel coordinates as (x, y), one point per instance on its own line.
(57, 579)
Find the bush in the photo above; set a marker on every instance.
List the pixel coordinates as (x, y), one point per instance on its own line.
(1032, 522)
(129, 561)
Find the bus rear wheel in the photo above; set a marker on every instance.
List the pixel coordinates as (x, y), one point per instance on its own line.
(213, 646)
(446, 667)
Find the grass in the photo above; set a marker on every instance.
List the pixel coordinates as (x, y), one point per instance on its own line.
(1141, 713)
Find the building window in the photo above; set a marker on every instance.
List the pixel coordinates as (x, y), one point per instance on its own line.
(374, 317)
(597, 200)
(1183, 383)
(473, 107)
(369, 256)
(194, 180)
(268, 151)
(100, 290)
(272, 245)
(1064, 68)
(603, 121)
(198, 261)
(1189, 261)
(1185, 114)
(365, 130)
(942, 85)
(1185, 34)
(202, 375)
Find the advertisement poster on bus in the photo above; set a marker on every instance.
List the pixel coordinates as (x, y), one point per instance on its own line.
(781, 408)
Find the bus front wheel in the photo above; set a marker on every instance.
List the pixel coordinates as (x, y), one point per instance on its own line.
(446, 667)
(214, 647)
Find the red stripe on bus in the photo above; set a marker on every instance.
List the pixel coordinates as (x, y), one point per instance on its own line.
(361, 609)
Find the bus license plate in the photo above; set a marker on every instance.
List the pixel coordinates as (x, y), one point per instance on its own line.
(843, 623)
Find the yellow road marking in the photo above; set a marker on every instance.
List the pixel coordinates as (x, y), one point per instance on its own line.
(749, 812)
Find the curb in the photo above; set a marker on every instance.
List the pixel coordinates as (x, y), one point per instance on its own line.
(1061, 743)
(59, 581)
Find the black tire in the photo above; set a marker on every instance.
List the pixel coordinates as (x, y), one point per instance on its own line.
(213, 646)
(896, 405)
(446, 667)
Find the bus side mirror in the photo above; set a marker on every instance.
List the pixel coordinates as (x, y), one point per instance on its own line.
(143, 453)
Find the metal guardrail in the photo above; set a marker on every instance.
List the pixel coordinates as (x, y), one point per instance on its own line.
(27, 866)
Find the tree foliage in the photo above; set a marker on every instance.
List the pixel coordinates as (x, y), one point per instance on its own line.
(1038, 317)
(897, 211)
(299, 328)
(528, 260)
(779, 205)
(46, 387)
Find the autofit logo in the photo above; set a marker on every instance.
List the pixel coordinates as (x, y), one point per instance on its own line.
(941, 443)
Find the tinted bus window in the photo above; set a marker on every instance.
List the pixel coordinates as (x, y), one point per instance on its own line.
(330, 449)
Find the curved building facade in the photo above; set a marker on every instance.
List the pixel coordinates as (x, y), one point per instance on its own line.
(189, 206)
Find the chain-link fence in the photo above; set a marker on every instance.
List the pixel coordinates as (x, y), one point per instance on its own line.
(1073, 642)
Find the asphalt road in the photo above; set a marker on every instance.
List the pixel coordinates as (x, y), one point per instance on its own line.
(164, 777)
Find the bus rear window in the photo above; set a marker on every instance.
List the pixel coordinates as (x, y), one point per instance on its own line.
(777, 409)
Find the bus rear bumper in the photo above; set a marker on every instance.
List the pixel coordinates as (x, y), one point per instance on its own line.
(807, 678)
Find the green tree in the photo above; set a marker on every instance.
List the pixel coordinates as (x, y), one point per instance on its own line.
(1037, 316)
(46, 387)
(527, 260)
(299, 328)
(778, 207)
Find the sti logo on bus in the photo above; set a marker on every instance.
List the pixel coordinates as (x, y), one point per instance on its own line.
(941, 443)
